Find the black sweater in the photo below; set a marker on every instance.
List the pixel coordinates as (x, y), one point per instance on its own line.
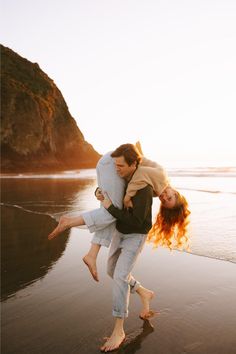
(137, 219)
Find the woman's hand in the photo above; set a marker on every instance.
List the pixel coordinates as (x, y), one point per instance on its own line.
(106, 202)
(127, 202)
(99, 195)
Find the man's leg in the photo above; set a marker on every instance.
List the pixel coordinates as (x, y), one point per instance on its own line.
(146, 295)
(123, 282)
(116, 248)
(116, 338)
(122, 257)
(118, 334)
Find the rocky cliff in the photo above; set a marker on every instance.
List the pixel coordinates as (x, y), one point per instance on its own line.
(37, 131)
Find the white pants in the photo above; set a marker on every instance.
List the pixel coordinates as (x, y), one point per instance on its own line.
(100, 221)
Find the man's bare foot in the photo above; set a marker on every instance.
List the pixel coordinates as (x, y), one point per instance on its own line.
(92, 266)
(146, 296)
(114, 342)
(62, 226)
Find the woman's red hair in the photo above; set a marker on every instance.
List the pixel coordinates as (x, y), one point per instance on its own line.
(170, 227)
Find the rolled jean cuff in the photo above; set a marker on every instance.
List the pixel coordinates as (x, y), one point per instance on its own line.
(101, 241)
(134, 286)
(119, 314)
(89, 221)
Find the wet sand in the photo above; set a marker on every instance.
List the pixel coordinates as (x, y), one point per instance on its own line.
(50, 303)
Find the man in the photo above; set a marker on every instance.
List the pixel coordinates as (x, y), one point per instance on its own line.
(132, 226)
(129, 233)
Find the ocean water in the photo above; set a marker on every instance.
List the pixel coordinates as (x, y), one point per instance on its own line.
(211, 193)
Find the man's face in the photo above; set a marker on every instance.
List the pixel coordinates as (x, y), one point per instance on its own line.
(168, 197)
(123, 169)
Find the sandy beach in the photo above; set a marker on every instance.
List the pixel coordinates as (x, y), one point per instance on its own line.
(62, 310)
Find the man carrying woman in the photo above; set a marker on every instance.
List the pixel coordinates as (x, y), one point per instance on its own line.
(128, 228)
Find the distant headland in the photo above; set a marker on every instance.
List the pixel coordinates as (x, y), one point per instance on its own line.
(37, 131)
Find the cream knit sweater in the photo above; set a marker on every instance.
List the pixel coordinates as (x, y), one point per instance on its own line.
(148, 172)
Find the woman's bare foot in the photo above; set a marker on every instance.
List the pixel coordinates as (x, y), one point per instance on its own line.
(114, 341)
(146, 296)
(62, 226)
(92, 266)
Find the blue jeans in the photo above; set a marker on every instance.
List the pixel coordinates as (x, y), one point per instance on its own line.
(123, 255)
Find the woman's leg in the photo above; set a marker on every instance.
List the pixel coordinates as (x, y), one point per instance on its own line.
(102, 221)
(65, 223)
(98, 220)
(90, 260)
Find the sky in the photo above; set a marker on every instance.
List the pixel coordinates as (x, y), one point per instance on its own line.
(159, 71)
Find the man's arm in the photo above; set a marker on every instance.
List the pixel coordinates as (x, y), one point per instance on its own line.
(142, 203)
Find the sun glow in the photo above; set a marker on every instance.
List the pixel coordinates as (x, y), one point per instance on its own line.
(160, 72)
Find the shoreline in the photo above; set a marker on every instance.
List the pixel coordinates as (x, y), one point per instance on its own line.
(51, 216)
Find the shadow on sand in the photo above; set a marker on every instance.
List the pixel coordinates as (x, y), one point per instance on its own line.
(134, 340)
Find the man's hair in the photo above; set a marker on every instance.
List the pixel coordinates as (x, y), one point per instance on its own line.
(130, 153)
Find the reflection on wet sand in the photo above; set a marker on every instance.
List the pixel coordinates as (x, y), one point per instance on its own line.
(26, 253)
(26, 206)
(45, 195)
